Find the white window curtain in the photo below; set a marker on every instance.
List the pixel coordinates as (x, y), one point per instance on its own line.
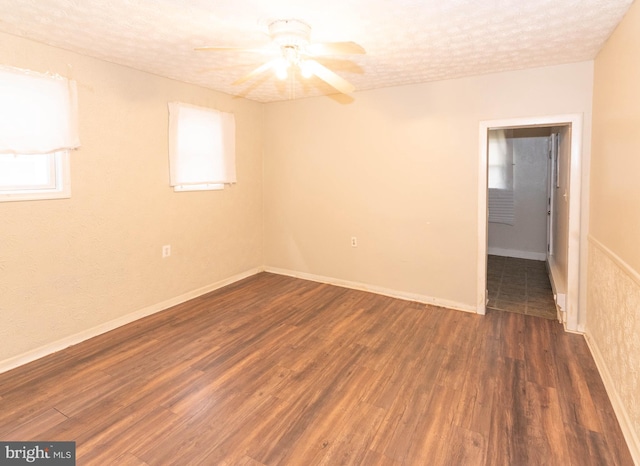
(500, 159)
(39, 112)
(201, 145)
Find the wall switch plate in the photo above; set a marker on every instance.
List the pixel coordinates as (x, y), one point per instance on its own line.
(166, 250)
(354, 242)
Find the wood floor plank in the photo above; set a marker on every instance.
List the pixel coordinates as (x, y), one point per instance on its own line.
(45, 420)
(244, 461)
(507, 438)
(376, 459)
(474, 411)
(462, 446)
(274, 370)
(540, 362)
(138, 427)
(127, 459)
(616, 449)
(428, 443)
(544, 437)
(513, 331)
(575, 397)
(353, 437)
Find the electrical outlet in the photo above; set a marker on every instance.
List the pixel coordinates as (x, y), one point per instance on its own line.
(354, 242)
(166, 250)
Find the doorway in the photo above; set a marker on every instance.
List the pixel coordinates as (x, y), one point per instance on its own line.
(519, 180)
(573, 123)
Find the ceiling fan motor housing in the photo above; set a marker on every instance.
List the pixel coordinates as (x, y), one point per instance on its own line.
(290, 33)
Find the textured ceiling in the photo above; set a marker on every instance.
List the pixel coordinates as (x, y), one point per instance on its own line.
(407, 41)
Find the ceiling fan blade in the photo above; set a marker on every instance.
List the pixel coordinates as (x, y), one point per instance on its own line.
(230, 49)
(329, 77)
(335, 48)
(259, 70)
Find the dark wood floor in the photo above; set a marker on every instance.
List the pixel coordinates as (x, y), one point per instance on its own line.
(274, 370)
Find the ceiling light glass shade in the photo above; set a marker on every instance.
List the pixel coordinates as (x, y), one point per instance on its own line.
(305, 70)
(280, 69)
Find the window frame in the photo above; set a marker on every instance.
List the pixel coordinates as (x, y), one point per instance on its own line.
(224, 157)
(60, 190)
(198, 187)
(500, 161)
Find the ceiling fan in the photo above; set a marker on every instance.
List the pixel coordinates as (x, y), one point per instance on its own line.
(291, 38)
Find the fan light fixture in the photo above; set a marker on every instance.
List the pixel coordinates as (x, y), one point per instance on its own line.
(292, 38)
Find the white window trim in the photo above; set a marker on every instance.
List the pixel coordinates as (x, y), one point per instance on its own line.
(216, 180)
(198, 187)
(62, 189)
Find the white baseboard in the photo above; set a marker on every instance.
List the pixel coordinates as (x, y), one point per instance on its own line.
(629, 433)
(32, 355)
(374, 289)
(536, 256)
(58, 345)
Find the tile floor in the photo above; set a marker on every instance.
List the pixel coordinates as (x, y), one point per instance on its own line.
(519, 285)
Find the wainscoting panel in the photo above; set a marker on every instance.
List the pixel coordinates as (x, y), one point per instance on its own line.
(613, 333)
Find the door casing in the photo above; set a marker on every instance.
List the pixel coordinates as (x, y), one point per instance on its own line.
(577, 237)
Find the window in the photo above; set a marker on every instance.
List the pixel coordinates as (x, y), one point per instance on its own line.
(34, 176)
(500, 160)
(500, 177)
(38, 127)
(201, 148)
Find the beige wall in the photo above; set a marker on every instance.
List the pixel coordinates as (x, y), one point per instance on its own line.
(69, 265)
(397, 168)
(613, 319)
(615, 191)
